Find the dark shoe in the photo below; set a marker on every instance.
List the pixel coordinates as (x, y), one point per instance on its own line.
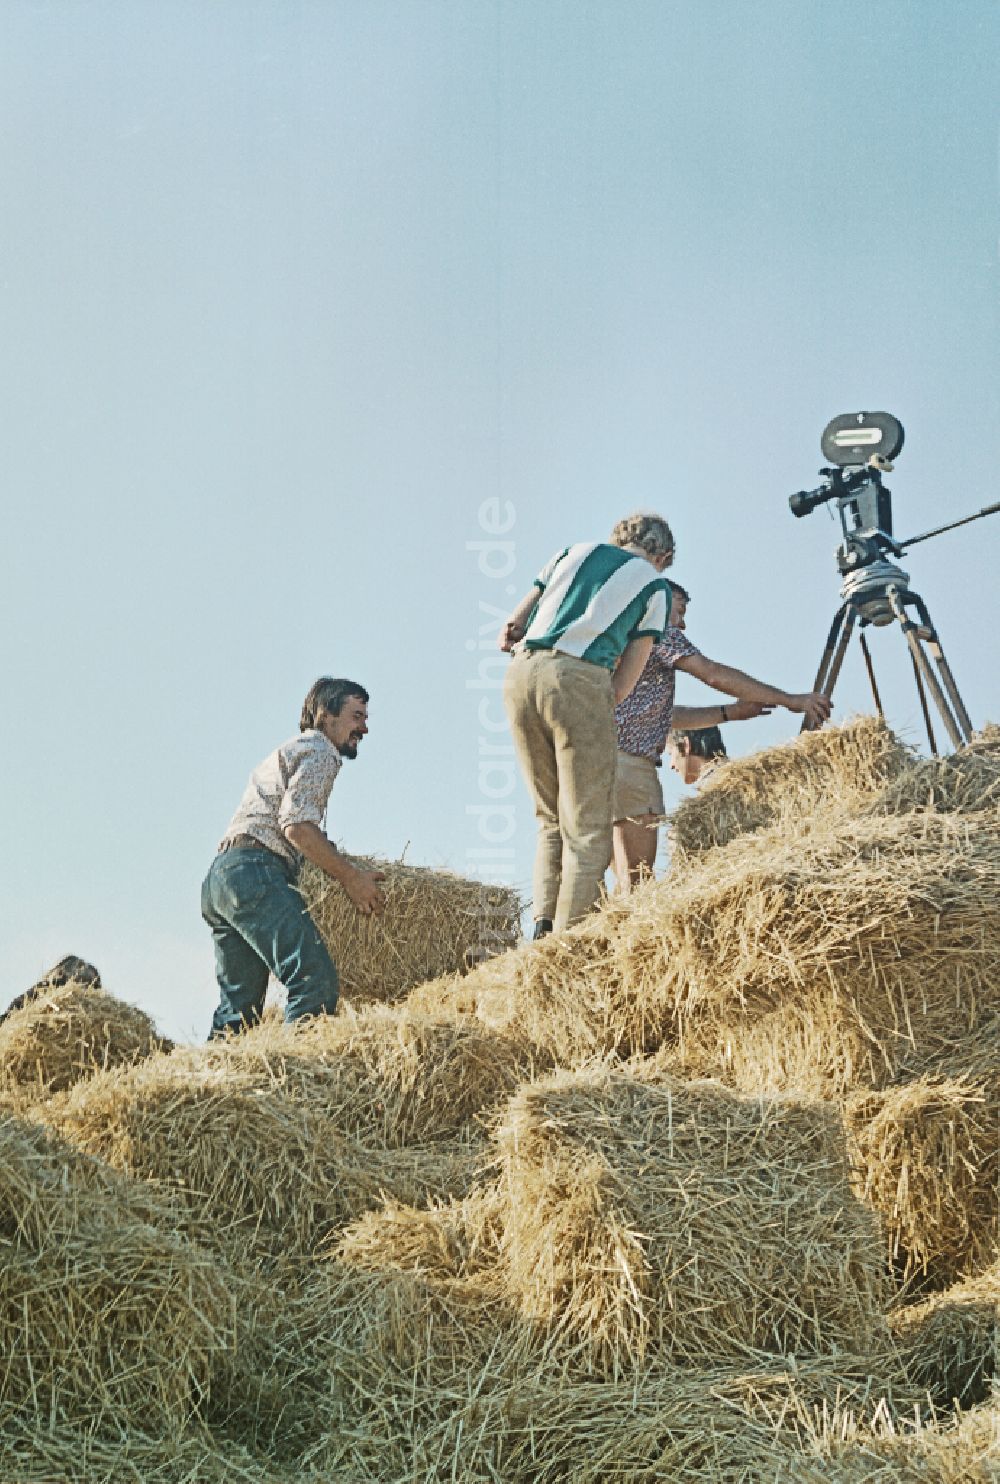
(543, 926)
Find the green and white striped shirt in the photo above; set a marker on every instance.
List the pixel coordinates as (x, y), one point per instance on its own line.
(594, 599)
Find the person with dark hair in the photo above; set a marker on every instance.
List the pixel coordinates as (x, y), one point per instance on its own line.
(644, 720)
(249, 900)
(580, 638)
(693, 750)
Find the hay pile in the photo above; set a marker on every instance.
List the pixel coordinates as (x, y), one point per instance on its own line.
(508, 1229)
(842, 767)
(60, 1035)
(434, 923)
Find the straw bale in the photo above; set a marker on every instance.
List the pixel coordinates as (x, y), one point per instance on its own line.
(278, 1137)
(433, 1375)
(63, 1034)
(964, 782)
(718, 1426)
(963, 1450)
(893, 917)
(257, 1171)
(813, 1047)
(456, 1239)
(951, 1342)
(840, 766)
(388, 1075)
(434, 923)
(106, 1316)
(564, 997)
(684, 1220)
(927, 1157)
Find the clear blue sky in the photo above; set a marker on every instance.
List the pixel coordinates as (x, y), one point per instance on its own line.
(291, 291)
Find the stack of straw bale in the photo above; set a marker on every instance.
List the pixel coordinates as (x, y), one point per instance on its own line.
(106, 1316)
(436, 1374)
(683, 1220)
(840, 767)
(812, 957)
(299, 1255)
(61, 1035)
(434, 924)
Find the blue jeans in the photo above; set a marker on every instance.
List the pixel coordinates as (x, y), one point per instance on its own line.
(260, 926)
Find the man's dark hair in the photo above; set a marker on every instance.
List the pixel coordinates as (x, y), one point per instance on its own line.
(328, 695)
(705, 742)
(681, 592)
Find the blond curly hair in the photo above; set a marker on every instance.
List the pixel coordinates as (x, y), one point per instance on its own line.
(649, 532)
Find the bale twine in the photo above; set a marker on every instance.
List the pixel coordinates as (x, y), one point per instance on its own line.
(434, 924)
(839, 766)
(894, 918)
(61, 1035)
(107, 1317)
(685, 1221)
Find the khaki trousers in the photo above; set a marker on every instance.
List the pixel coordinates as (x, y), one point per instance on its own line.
(562, 717)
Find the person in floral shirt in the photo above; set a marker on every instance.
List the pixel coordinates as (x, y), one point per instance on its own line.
(644, 720)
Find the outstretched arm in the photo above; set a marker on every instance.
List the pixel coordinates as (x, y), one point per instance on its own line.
(814, 706)
(694, 718)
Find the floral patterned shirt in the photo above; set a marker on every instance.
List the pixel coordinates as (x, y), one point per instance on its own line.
(292, 786)
(645, 715)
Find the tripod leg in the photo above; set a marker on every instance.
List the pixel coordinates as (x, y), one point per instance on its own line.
(871, 674)
(920, 660)
(934, 645)
(833, 654)
(932, 744)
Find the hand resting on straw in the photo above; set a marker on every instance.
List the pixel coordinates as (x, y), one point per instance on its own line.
(361, 886)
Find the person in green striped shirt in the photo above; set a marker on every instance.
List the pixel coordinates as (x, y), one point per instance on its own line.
(581, 638)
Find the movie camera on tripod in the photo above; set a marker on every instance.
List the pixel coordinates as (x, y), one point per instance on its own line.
(860, 447)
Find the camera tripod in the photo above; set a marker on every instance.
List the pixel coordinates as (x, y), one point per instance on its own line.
(883, 598)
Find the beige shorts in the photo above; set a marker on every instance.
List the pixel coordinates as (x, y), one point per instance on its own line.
(638, 790)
